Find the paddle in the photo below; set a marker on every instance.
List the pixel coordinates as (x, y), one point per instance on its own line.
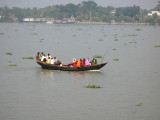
(105, 55)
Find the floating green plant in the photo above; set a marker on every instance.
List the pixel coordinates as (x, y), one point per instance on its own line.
(157, 46)
(27, 58)
(42, 39)
(114, 49)
(132, 35)
(8, 53)
(115, 59)
(139, 104)
(12, 65)
(116, 40)
(74, 35)
(97, 56)
(93, 86)
(138, 29)
(1, 33)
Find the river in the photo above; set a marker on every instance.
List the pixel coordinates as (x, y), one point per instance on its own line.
(129, 82)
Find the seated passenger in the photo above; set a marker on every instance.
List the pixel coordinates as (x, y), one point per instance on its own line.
(40, 56)
(87, 63)
(93, 62)
(44, 58)
(52, 61)
(48, 61)
(37, 56)
(78, 63)
(82, 63)
(55, 60)
(75, 63)
(49, 56)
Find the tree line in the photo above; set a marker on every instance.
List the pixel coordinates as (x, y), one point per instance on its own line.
(84, 11)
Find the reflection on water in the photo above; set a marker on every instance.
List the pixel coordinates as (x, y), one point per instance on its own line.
(81, 79)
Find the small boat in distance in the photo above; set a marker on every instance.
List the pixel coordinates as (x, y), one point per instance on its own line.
(44, 65)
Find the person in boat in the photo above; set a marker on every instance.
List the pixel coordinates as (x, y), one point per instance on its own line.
(84, 60)
(94, 61)
(48, 61)
(41, 55)
(75, 62)
(82, 63)
(55, 60)
(79, 63)
(37, 56)
(49, 56)
(52, 61)
(87, 63)
(44, 58)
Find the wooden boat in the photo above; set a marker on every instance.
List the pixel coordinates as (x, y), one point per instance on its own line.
(67, 68)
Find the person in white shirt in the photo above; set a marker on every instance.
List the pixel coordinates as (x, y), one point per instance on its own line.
(52, 61)
(42, 58)
(49, 56)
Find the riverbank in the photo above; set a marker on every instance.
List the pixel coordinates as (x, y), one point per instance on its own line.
(115, 23)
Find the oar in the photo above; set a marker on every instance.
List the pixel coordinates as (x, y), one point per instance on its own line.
(105, 55)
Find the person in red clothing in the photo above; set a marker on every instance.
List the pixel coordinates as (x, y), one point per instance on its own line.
(37, 56)
(75, 62)
(82, 63)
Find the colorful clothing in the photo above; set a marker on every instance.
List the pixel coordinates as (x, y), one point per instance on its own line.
(87, 62)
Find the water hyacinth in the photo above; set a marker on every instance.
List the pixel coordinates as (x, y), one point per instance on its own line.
(8, 53)
(12, 65)
(97, 56)
(93, 86)
(27, 58)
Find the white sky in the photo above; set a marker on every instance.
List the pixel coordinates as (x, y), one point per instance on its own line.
(144, 4)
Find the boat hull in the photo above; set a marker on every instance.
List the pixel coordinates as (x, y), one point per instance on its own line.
(66, 68)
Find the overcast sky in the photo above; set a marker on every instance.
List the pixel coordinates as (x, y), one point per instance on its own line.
(144, 4)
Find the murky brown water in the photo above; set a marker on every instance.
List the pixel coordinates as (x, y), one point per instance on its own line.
(130, 86)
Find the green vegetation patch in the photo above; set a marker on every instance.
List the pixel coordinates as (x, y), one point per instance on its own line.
(27, 58)
(139, 104)
(97, 56)
(12, 65)
(157, 46)
(42, 39)
(74, 35)
(116, 40)
(1, 33)
(114, 49)
(115, 59)
(93, 86)
(132, 35)
(8, 53)
(138, 29)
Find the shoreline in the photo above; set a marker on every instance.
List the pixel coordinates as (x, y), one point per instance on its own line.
(105, 23)
(92, 23)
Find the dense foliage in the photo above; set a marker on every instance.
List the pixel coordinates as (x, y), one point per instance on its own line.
(85, 11)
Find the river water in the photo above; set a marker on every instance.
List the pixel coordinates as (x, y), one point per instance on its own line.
(130, 81)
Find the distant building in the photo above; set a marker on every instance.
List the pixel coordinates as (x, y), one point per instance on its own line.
(113, 12)
(154, 12)
(37, 19)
